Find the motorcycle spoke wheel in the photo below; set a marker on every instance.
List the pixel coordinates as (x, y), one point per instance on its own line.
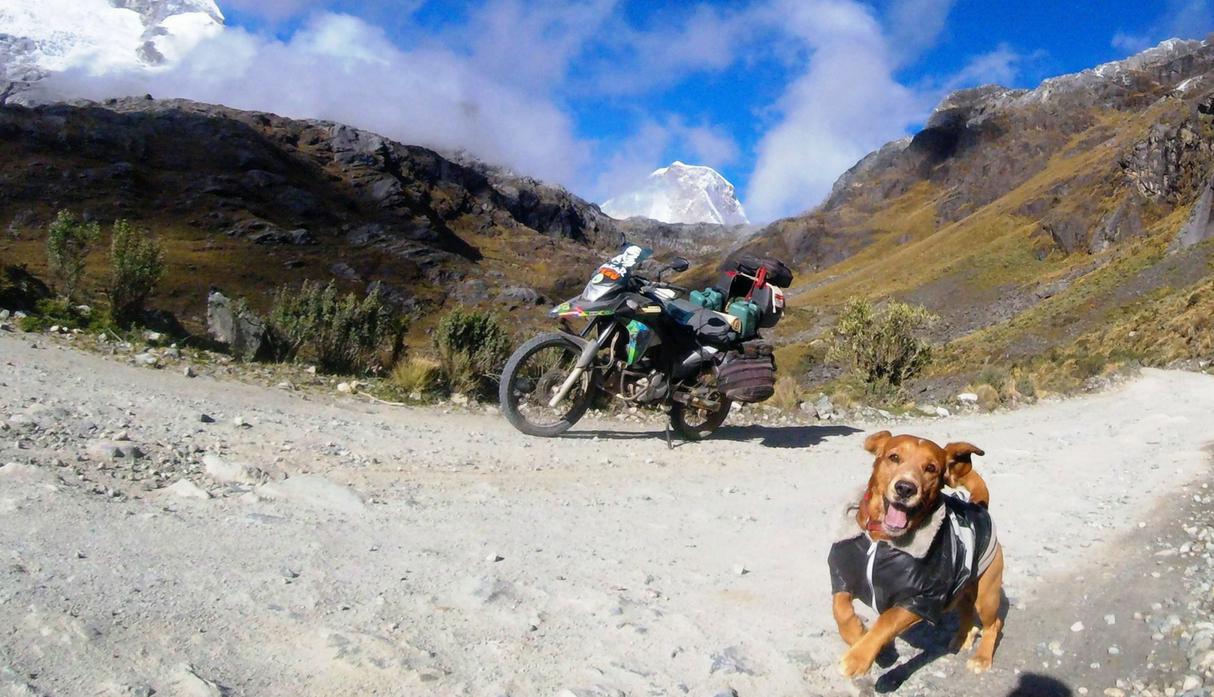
(533, 376)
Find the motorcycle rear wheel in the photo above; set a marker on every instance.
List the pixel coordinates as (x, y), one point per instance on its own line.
(533, 375)
(693, 423)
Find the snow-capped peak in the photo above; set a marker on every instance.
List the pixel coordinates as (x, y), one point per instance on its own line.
(42, 36)
(681, 193)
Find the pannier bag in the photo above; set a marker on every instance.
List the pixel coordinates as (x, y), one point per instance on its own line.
(709, 326)
(770, 301)
(746, 378)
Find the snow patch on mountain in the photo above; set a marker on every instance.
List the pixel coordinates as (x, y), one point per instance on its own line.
(38, 37)
(681, 193)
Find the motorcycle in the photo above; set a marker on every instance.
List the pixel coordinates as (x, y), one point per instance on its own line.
(645, 343)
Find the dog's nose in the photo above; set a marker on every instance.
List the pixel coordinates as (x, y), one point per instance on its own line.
(905, 489)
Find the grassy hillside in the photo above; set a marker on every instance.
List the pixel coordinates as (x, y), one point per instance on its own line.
(1044, 237)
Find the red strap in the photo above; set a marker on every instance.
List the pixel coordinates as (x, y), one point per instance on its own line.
(760, 281)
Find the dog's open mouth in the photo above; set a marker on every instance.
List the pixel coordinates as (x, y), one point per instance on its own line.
(896, 519)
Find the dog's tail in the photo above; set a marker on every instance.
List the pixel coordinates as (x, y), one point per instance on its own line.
(976, 485)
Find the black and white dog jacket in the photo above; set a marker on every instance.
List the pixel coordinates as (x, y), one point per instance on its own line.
(922, 571)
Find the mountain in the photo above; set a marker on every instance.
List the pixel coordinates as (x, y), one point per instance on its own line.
(1067, 223)
(250, 201)
(96, 36)
(681, 193)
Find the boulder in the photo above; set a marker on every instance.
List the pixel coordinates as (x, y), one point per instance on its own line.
(1123, 223)
(520, 295)
(1201, 222)
(235, 326)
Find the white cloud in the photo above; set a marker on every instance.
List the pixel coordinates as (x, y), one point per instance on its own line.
(341, 68)
(845, 104)
(999, 67)
(913, 26)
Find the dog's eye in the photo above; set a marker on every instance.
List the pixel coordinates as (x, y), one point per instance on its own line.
(931, 469)
(893, 457)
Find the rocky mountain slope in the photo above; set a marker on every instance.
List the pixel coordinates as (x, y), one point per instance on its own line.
(682, 193)
(248, 201)
(1032, 219)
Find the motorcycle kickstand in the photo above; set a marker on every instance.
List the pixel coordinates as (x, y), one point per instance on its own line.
(669, 442)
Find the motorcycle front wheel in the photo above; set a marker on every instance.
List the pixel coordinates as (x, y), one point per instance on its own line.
(533, 376)
(693, 423)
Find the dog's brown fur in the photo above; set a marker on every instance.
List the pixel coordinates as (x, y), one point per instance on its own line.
(929, 467)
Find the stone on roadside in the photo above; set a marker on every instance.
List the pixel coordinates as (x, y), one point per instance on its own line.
(345, 387)
(224, 471)
(188, 371)
(230, 322)
(740, 569)
(967, 398)
(112, 450)
(186, 489)
(206, 419)
(1077, 627)
(315, 491)
(239, 422)
(185, 682)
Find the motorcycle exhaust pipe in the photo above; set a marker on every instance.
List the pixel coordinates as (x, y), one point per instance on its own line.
(583, 362)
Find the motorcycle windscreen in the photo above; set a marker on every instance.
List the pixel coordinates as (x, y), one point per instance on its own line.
(613, 275)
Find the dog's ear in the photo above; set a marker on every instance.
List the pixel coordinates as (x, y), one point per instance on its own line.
(875, 443)
(958, 462)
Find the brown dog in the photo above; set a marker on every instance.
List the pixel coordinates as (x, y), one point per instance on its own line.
(913, 553)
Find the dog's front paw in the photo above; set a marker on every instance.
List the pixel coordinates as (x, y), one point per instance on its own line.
(964, 642)
(854, 663)
(979, 664)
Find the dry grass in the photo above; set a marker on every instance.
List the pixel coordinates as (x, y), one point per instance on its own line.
(417, 376)
(788, 395)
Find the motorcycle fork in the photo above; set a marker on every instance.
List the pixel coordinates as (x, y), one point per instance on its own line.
(584, 361)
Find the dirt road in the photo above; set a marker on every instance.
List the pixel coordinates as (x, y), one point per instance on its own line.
(345, 547)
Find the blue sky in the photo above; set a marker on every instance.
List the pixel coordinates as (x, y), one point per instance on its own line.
(780, 95)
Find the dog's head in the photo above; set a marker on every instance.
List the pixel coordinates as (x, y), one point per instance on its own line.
(908, 474)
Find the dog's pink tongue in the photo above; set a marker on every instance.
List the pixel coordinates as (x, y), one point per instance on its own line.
(895, 518)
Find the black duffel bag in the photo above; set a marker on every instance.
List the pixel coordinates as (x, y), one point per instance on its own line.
(777, 273)
(748, 377)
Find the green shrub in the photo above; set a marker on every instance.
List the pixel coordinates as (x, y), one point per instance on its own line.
(881, 346)
(50, 312)
(472, 347)
(136, 265)
(993, 375)
(344, 335)
(1027, 386)
(67, 247)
